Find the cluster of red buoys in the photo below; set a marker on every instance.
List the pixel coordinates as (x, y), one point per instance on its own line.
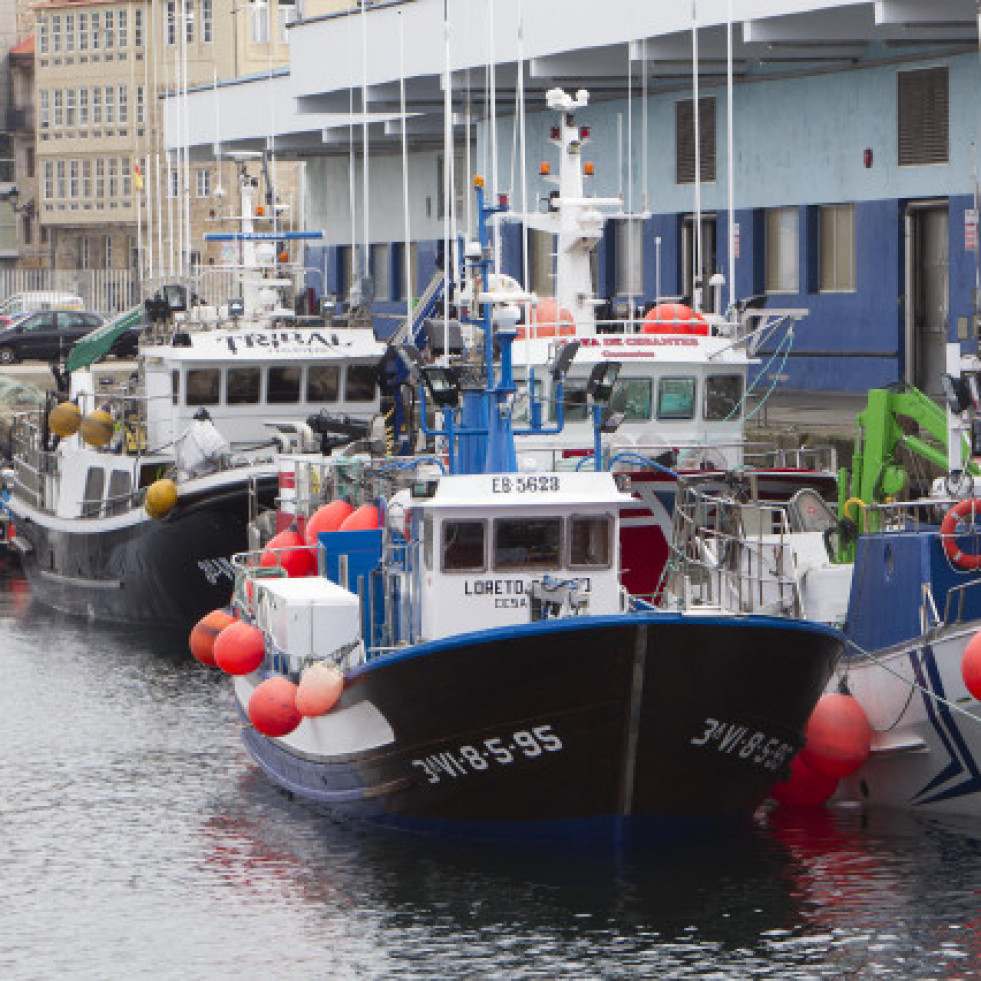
(674, 318)
(837, 743)
(219, 639)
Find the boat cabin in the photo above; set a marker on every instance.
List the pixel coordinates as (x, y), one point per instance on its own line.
(503, 549)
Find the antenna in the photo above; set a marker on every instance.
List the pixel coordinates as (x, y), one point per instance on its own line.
(409, 285)
(447, 183)
(696, 289)
(732, 165)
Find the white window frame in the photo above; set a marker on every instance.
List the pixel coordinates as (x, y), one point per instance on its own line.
(86, 180)
(188, 15)
(170, 23)
(259, 23)
(122, 105)
(122, 41)
(97, 105)
(69, 33)
(44, 108)
(49, 180)
(61, 179)
(83, 107)
(71, 118)
(83, 252)
(42, 35)
(202, 182)
(58, 111)
(56, 34)
(109, 105)
(138, 27)
(108, 30)
(140, 105)
(74, 174)
(208, 21)
(836, 246)
(112, 178)
(96, 26)
(108, 253)
(83, 32)
(100, 177)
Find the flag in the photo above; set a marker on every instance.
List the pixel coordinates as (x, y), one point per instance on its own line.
(137, 176)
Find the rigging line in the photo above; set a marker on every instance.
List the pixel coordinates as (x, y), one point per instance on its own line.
(776, 380)
(879, 661)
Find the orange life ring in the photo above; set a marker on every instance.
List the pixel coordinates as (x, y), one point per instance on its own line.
(948, 537)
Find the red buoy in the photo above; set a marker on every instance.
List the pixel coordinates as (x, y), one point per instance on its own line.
(272, 707)
(330, 517)
(204, 634)
(674, 318)
(805, 787)
(240, 648)
(319, 689)
(839, 736)
(288, 550)
(364, 519)
(971, 665)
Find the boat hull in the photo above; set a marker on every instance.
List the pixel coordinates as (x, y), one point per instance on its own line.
(580, 725)
(926, 749)
(136, 570)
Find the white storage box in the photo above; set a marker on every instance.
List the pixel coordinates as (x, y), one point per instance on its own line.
(307, 619)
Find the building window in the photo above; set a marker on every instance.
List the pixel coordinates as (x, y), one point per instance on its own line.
(924, 117)
(287, 15)
(59, 111)
(83, 32)
(121, 26)
(202, 182)
(49, 186)
(173, 182)
(29, 151)
(26, 230)
(140, 105)
(109, 105)
(170, 16)
(87, 180)
(123, 106)
(61, 186)
(97, 106)
(44, 108)
(685, 140)
(96, 21)
(380, 271)
(109, 250)
(111, 175)
(127, 176)
(42, 35)
(69, 107)
(259, 22)
(630, 257)
(100, 178)
(109, 32)
(83, 107)
(69, 32)
(836, 234)
(782, 236)
(207, 22)
(55, 34)
(138, 27)
(73, 176)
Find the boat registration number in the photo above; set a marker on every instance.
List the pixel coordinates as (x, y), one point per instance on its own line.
(534, 484)
(462, 761)
(752, 745)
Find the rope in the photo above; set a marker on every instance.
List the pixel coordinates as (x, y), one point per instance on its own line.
(733, 412)
(776, 375)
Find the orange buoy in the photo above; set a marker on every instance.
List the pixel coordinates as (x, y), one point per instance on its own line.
(805, 786)
(320, 687)
(204, 634)
(288, 550)
(971, 665)
(364, 519)
(272, 707)
(548, 321)
(329, 517)
(674, 318)
(839, 736)
(240, 648)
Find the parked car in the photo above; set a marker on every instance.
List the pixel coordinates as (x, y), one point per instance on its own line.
(45, 336)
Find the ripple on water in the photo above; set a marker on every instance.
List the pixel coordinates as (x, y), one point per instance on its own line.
(139, 841)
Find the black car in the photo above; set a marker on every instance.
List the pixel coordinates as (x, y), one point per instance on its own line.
(46, 336)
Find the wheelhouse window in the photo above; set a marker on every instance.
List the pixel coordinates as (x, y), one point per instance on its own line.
(323, 383)
(589, 542)
(722, 397)
(836, 233)
(243, 386)
(527, 543)
(120, 486)
(782, 236)
(95, 482)
(359, 385)
(574, 400)
(284, 385)
(203, 386)
(463, 546)
(632, 397)
(676, 398)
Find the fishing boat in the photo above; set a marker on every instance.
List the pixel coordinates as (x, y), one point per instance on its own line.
(127, 498)
(901, 578)
(467, 662)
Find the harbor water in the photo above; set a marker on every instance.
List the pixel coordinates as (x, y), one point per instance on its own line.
(139, 841)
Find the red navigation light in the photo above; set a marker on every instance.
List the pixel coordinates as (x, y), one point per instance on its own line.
(583, 132)
(554, 133)
(502, 200)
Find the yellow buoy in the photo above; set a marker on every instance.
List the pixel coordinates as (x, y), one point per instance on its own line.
(161, 496)
(64, 419)
(97, 427)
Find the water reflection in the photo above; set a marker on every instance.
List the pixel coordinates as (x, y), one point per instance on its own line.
(137, 831)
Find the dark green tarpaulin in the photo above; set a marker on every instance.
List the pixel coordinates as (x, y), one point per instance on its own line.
(99, 342)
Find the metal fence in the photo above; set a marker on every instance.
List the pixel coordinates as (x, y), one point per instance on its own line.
(102, 290)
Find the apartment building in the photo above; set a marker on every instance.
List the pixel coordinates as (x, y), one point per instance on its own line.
(107, 192)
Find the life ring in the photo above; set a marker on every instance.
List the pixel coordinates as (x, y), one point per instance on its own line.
(948, 537)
